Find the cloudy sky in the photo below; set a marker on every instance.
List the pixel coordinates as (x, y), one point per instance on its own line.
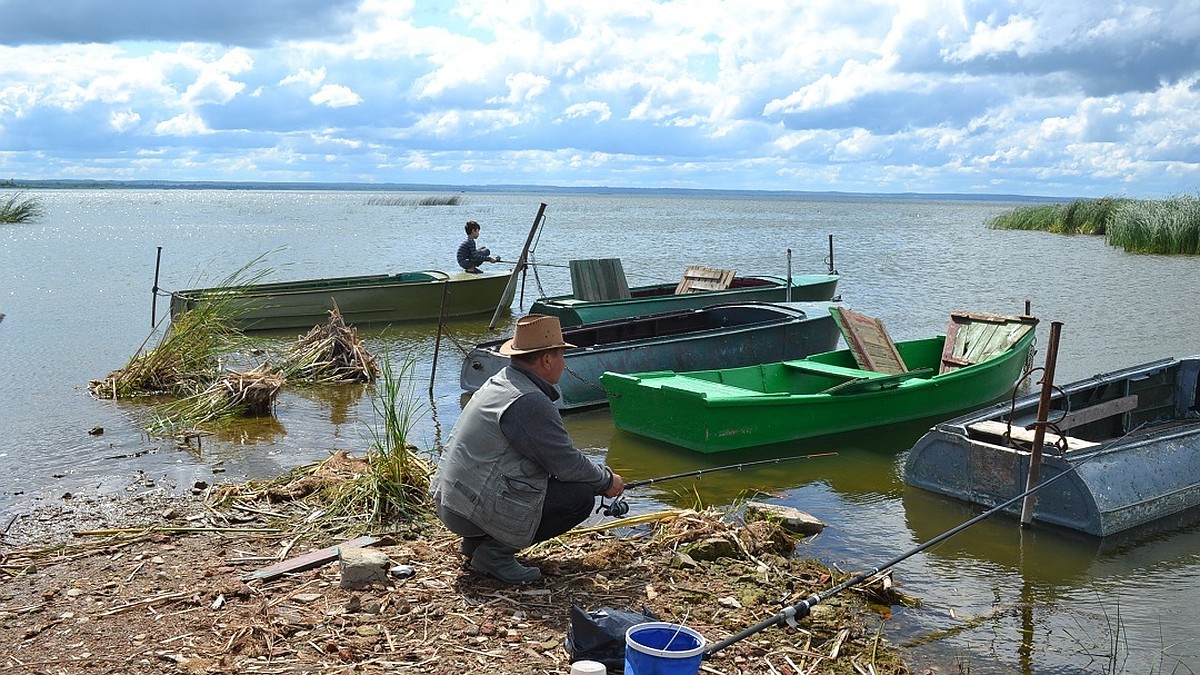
(1059, 98)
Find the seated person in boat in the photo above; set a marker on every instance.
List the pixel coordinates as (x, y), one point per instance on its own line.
(469, 257)
(510, 475)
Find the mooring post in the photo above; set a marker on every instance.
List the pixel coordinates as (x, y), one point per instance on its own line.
(438, 342)
(154, 290)
(787, 296)
(1039, 433)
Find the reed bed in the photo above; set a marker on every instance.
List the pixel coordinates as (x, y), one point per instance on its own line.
(1170, 226)
(20, 209)
(450, 200)
(332, 353)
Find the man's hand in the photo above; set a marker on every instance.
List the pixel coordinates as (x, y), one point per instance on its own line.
(617, 487)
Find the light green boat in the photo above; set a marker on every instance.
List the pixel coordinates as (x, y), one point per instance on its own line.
(734, 408)
(372, 300)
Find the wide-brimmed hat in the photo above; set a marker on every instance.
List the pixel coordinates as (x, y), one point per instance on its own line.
(534, 333)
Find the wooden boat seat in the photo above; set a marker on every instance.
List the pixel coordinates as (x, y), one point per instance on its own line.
(699, 387)
(818, 368)
(886, 381)
(1020, 433)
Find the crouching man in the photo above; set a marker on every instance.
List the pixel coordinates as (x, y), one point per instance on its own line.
(510, 475)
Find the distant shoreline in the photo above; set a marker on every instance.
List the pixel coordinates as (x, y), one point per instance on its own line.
(78, 184)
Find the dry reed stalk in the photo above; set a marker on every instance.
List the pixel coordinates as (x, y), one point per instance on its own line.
(328, 354)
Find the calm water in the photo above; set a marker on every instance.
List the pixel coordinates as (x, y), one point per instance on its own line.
(75, 289)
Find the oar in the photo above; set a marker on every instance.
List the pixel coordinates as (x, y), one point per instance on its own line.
(618, 507)
(511, 289)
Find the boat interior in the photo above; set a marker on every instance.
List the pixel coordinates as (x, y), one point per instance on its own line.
(675, 323)
(1084, 415)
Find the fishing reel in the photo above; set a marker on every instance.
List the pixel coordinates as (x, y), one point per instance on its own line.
(616, 508)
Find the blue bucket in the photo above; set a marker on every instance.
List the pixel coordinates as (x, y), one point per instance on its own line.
(658, 648)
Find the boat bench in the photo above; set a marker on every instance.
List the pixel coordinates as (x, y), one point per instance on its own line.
(836, 371)
(1019, 433)
(697, 386)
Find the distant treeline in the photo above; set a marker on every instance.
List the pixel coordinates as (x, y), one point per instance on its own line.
(1137, 225)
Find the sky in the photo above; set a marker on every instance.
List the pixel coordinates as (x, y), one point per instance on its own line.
(1049, 98)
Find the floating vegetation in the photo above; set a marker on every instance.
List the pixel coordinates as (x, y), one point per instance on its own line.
(1138, 226)
(250, 393)
(332, 353)
(443, 200)
(20, 209)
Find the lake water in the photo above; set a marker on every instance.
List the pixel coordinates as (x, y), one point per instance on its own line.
(75, 289)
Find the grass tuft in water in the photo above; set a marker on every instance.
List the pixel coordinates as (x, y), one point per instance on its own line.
(395, 485)
(20, 209)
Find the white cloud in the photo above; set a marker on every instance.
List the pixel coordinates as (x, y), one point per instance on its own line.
(335, 96)
(124, 121)
(184, 124)
(597, 109)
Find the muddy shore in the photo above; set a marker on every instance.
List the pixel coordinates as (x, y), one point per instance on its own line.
(156, 582)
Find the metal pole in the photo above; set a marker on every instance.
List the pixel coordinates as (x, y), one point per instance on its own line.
(438, 343)
(832, 269)
(154, 290)
(1039, 433)
(788, 295)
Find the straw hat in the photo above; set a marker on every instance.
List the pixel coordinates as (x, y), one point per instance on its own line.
(534, 333)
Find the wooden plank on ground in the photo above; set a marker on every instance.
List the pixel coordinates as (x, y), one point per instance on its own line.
(698, 278)
(869, 341)
(309, 560)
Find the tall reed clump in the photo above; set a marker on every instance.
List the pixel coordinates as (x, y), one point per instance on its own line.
(1169, 226)
(185, 361)
(1082, 216)
(448, 200)
(395, 486)
(20, 209)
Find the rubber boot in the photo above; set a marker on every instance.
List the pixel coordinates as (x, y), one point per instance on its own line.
(469, 544)
(496, 559)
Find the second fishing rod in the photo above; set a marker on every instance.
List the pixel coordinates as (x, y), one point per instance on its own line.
(618, 507)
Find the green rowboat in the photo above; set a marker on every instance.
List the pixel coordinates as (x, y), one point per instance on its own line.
(828, 393)
(370, 300)
(660, 298)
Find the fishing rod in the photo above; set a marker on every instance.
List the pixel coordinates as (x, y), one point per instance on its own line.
(804, 607)
(619, 507)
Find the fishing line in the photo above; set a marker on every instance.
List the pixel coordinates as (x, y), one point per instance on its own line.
(619, 507)
(803, 608)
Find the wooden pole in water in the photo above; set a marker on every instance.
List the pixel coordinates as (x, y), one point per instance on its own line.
(522, 261)
(1039, 433)
(438, 343)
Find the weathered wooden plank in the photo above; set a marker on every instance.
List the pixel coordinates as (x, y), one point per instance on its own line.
(309, 560)
(1099, 411)
(598, 279)
(869, 341)
(1019, 433)
(699, 278)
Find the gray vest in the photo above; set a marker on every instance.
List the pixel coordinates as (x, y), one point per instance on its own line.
(481, 477)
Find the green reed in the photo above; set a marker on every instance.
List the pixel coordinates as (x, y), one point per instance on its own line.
(395, 486)
(1139, 226)
(19, 209)
(1163, 226)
